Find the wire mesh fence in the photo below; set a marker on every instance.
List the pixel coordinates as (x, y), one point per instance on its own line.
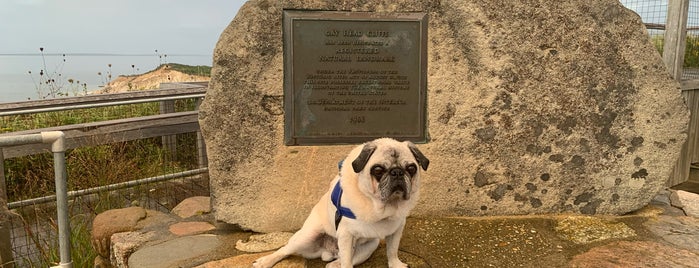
(691, 56)
(653, 13)
(154, 173)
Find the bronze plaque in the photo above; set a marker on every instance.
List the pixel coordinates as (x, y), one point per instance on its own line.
(350, 77)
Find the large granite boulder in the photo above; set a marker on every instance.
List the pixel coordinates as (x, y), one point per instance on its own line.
(533, 107)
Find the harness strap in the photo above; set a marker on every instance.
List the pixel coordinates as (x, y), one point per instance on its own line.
(336, 197)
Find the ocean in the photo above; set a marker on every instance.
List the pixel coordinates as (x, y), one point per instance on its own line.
(18, 84)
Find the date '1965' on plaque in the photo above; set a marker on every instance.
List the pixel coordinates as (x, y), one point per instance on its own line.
(354, 76)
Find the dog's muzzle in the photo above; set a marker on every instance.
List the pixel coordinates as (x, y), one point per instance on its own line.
(396, 185)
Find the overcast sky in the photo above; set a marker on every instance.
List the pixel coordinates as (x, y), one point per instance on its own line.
(114, 26)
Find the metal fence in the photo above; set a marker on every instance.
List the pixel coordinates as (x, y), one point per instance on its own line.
(691, 56)
(151, 160)
(654, 14)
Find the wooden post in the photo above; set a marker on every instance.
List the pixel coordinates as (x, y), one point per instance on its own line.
(201, 146)
(673, 56)
(675, 36)
(5, 242)
(170, 141)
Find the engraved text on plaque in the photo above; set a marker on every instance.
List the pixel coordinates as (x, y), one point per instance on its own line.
(354, 76)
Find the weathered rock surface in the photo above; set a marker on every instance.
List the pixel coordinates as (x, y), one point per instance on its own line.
(124, 244)
(263, 242)
(169, 253)
(679, 231)
(190, 228)
(114, 221)
(549, 107)
(635, 254)
(244, 261)
(585, 229)
(192, 206)
(688, 202)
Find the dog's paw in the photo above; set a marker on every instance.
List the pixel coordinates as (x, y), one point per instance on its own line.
(397, 264)
(262, 263)
(334, 264)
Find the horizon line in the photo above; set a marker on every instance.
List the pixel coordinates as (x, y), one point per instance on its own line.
(99, 54)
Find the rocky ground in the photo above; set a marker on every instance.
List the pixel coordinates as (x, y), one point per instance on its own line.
(663, 234)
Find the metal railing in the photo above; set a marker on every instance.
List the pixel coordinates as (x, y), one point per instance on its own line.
(57, 141)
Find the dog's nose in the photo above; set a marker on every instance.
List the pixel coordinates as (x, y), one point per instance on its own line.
(396, 172)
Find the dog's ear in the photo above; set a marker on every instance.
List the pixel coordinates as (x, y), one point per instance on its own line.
(359, 163)
(421, 159)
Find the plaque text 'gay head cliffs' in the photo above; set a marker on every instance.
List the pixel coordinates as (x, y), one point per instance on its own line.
(354, 76)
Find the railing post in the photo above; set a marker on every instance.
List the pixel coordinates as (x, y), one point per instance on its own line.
(170, 141)
(57, 141)
(673, 56)
(202, 159)
(5, 225)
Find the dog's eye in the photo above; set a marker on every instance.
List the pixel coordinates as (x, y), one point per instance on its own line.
(377, 171)
(412, 169)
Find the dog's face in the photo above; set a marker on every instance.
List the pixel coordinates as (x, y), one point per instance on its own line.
(390, 169)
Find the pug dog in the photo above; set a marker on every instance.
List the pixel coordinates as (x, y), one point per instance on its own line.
(377, 186)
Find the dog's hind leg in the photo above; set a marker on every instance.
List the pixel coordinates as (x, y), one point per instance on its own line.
(304, 242)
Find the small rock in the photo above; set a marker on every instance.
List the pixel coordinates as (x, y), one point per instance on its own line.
(264, 242)
(113, 221)
(675, 200)
(123, 244)
(584, 229)
(169, 253)
(190, 228)
(662, 198)
(193, 206)
(689, 203)
(244, 261)
(635, 254)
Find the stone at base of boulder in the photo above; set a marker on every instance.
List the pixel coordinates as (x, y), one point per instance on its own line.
(193, 206)
(190, 228)
(682, 231)
(264, 242)
(123, 244)
(244, 261)
(689, 203)
(172, 252)
(635, 254)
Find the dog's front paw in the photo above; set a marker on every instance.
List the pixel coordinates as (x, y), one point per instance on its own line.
(263, 262)
(397, 264)
(334, 264)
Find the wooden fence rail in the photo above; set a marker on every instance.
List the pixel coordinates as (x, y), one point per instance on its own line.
(111, 131)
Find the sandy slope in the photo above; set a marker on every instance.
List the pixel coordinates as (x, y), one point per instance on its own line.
(150, 80)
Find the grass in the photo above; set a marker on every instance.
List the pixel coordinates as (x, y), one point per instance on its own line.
(691, 56)
(201, 70)
(192, 70)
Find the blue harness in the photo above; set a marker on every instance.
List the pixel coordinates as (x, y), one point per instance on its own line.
(335, 198)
